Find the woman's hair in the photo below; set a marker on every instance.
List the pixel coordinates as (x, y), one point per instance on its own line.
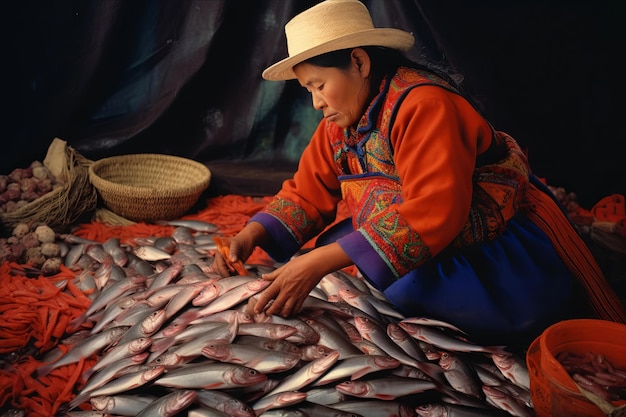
(385, 62)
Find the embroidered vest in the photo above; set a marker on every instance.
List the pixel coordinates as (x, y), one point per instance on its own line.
(370, 182)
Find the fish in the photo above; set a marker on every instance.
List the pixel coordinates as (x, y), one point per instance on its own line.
(461, 376)
(385, 388)
(306, 374)
(513, 368)
(212, 375)
(164, 277)
(374, 333)
(376, 408)
(122, 404)
(400, 337)
(120, 351)
(124, 383)
(321, 410)
(85, 348)
(425, 321)
(324, 395)
(151, 253)
(145, 328)
(115, 369)
(456, 410)
(279, 345)
(191, 348)
(305, 334)
(507, 402)
(356, 367)
(170, 404)
(210, 331)
(279, 400)
(235, 296)
(263, 360)
(444, 341)
(197, 225)
(333, 339)
(227, 403)
(109, 294)
(204, 411)
(271, 330)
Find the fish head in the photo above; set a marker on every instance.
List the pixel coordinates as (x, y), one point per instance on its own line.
(431, 410)
(355, 388)
(244, 376)
(180, 400)
(217, 351)
(447, 360)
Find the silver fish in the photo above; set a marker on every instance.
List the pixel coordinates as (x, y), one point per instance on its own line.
(164, 277)
(235, 296)
(192, 348)
(263, 360)
(455, 410)
(197, 225)
(150, 253)
(306, 374)
(376, 408)
(227, 403)
(120, 351)
(145, 328)
(123, 405)
(187, 293)
(183, 235)
(444, 341)
(278, 400)
(85, 348)
(507, 402)
(460, 375)
(222, 285)
(385, 388)
(374, 333)
(271, 330)
(305, 334)
(321, 410)
(405, 341)
(111, 293)
(204, 411)
(212, 375)
(169, 404)
(324, 395)
(109, 373)
(513, 368)
(125, 383)
(333, 339)
(356, 367)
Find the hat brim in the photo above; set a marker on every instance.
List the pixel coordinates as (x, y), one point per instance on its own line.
(391, 38)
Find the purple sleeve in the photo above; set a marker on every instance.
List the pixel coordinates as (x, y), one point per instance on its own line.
(283, 244)
(365, 257)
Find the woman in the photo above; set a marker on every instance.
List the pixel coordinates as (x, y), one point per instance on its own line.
(447, 219)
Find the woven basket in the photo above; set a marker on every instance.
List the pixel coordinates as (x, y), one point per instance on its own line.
(64, 205)
(149, 187)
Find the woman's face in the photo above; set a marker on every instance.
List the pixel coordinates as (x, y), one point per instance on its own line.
(341, 94)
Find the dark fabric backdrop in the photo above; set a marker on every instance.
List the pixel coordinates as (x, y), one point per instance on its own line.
(183, 77)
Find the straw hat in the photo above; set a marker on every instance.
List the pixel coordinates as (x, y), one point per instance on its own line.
(329, 26)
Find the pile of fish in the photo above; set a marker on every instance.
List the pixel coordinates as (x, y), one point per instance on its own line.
(172, 337)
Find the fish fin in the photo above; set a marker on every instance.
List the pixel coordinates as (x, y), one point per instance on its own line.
(385, 397)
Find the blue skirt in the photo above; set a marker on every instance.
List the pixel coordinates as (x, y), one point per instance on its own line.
(505, 291)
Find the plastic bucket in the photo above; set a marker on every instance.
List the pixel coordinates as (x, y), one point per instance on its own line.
(553, 392)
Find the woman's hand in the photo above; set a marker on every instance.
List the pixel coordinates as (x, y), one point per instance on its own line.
(239, 248)
(294, 280)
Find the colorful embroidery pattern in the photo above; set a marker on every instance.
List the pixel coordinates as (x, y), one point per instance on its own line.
(498, 192)
(293, 216)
